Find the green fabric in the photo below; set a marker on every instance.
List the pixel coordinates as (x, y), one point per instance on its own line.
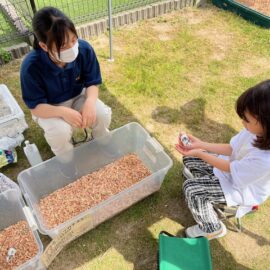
(244, 11)
(184, 253)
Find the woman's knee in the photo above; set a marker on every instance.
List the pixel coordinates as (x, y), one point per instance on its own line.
(103, 114)
(55, 128)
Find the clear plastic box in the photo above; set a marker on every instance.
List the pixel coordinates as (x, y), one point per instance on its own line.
(13, 210)
(46, 177)
(12, 122)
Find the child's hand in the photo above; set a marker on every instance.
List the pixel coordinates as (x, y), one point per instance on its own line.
(187, 151)
(194, 142)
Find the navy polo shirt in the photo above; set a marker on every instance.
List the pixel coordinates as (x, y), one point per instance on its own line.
(42, 81)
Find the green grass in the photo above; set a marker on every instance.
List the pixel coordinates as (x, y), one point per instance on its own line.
(183, 70)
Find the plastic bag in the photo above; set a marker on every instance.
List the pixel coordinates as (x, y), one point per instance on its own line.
(10, 143)
(6, 183)
(7, 157)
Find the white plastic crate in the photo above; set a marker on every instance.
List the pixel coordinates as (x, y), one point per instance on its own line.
(12, 121)
(46, 177)
(13, 210)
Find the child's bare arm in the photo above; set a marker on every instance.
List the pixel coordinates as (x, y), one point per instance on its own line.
(216, 162)
(218, 148)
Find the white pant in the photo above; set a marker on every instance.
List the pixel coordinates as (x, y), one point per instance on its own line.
(58, 132)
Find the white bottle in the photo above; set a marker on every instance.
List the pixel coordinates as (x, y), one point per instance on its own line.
(32, 153)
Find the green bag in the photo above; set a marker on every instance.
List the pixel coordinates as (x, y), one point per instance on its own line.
(183, 253)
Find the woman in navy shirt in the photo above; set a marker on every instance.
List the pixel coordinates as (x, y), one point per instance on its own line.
(59, 81)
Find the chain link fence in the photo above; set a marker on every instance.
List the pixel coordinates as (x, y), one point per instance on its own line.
(15, 20)
(16, 15)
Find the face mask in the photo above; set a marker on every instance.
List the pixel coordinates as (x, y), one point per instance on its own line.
(69, 55)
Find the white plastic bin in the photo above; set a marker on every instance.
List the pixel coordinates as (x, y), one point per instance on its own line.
(13, 210)
(12, 122)
(46, 177)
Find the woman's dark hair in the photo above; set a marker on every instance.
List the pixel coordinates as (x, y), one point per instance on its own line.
(50, 26)
(256, 100)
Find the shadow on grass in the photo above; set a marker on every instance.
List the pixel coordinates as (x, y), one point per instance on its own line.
(129, 240)
(192, 114)
(261, 241)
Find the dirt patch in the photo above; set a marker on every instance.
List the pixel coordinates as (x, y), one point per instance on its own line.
(100, 42)
(164, 31)
(260, 6)
(192, 17)
(220, 41)
(254, 66)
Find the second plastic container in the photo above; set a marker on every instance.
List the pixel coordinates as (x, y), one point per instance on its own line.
(13, 210)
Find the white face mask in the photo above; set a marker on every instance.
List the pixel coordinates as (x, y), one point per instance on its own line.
(69, 55)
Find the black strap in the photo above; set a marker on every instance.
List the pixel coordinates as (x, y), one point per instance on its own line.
(166, 233)
(83, 140)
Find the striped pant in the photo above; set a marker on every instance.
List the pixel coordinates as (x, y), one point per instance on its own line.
(201, 192)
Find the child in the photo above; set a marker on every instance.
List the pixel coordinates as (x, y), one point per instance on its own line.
(59, 81)
(239, 175)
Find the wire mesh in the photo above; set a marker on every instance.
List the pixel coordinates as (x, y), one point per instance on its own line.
(80, 11)
(15, 18)
(261, 6)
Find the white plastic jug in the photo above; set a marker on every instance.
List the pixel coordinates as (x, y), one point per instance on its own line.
(32, 153)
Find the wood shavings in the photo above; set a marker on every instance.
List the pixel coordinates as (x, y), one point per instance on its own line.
(91, 189)
(20, 238)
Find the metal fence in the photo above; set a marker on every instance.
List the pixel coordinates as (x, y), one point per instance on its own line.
(16, 15)
(15, 18)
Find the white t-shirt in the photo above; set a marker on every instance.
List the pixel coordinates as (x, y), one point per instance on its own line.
(248, 183)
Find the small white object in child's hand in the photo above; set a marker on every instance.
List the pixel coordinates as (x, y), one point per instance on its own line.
(185, 140)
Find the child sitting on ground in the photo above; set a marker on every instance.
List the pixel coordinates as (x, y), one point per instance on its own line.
(239, 175)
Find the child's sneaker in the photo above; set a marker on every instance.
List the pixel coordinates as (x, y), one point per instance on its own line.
(195, 231)
(187, 173)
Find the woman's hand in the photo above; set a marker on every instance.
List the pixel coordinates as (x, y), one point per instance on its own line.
(186, 151)
(88, 113)
(72, 117)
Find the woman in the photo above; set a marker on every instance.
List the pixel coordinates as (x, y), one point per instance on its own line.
(59, 81)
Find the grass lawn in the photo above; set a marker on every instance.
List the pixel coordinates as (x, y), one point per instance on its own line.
(183, 70)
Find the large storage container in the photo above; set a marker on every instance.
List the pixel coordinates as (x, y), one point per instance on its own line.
(46, 177)
(13, 210)
(12, 122)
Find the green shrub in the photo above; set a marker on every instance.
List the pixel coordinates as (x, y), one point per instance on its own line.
(5, 56)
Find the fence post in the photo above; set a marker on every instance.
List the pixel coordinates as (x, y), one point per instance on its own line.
(33, 6)
(110, 29)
